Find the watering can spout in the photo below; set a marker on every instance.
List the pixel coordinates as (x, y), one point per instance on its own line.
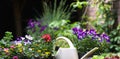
(90, 53)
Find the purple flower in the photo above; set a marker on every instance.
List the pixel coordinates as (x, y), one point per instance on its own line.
(27, 42)
(15, 57)
(106, 37)
(31, 23)
(80, 36)
(19, 39)
(38, 23)
(43, 28)
(83, 34)
(96, 36)
(75, 30)
(17, 42)
(86, 31)
(80, 31)
(92, 32)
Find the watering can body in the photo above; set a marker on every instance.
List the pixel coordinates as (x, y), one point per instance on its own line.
(67, 53)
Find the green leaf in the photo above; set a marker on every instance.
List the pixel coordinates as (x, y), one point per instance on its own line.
(117, 48)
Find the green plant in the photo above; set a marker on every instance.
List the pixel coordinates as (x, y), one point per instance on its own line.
(115, 40)
(38, 35)
(5, 44)
(106, 56)
(5, 41)
(79, 4)
(88, 39)
(43, 38)
(55, 11)
(105, 22)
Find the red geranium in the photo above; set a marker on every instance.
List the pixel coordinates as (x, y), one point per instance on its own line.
(47, 37)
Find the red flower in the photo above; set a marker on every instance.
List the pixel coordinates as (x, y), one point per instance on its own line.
(15, 57)
(47, 37)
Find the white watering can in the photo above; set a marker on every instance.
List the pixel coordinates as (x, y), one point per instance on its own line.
(66, 53)
(71, 53)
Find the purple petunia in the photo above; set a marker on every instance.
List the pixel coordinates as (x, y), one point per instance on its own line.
(75, 30)
(43, 28)
(90, 33)
(106, 37)
(80, 36)
(26, 40)
(79, 32)
(32, 23)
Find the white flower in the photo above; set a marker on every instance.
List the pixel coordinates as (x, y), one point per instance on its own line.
(29, 37)
(30, 49)
(23, 38)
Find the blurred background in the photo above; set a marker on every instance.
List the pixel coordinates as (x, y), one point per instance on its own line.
(14, 14)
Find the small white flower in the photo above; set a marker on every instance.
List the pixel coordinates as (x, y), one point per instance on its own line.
(23, 38)
(30, 49)
(29, 37)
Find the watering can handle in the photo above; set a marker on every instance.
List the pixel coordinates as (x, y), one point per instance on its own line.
(67, 40)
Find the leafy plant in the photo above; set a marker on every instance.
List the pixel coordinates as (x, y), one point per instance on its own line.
(38, 35)
(42, 35)
(88, 39)
(79, 4)
(115, 40)
(105, 22)
(5, 41)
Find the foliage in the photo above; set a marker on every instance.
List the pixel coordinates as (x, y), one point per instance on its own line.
(107, 56)
(65, 30)
(39, 31)
(5, 41)
(79, 4)
(54, 16)
(6, 46)
(54, 22)
(88, 39)
(25, 47)
(54, 11)
(38, 35)
(115, 40)
(105, 22)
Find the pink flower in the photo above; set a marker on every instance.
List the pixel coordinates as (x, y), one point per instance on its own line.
(12, 46)
(15, 57)
(6, 50)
